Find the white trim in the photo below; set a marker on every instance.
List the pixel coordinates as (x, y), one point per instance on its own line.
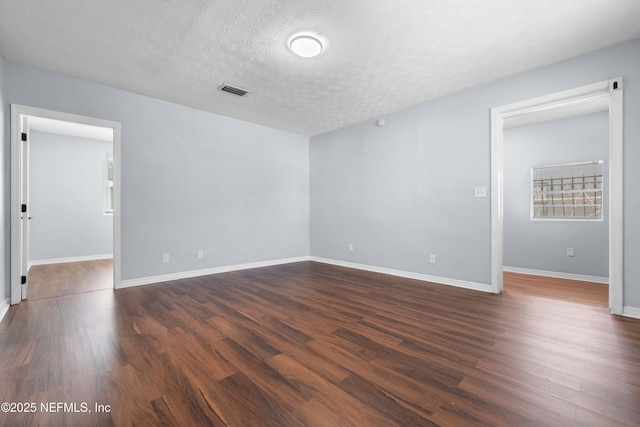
(557, 275)
(616, 199)
(616, 230)
(69, 259)
(19, 111)
(407, 274)
(4, 307)
(107, 184)
(128, 283)
(228, 268)
(497, 193)
(633, 312)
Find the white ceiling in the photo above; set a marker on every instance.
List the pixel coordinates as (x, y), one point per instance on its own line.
(382, 55)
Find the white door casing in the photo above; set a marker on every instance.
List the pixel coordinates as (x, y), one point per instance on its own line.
(19, 188)
(551, 106)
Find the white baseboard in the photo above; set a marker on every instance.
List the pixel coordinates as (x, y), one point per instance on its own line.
(557, 275)
(128, 283)
(4, 307)
(407, 274)
(69, 259)
(633, 312)
(224, 269)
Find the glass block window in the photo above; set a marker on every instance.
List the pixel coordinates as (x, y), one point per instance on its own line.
(571, 191)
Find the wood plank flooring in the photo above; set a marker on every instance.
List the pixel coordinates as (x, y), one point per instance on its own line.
(309, 344)
(54, 280)
(590, 293)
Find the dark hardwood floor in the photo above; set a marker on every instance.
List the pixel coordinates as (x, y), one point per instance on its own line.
(54, 280)
(589, 293)
(309, 344)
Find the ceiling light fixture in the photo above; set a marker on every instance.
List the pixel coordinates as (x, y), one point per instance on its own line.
(306, 45)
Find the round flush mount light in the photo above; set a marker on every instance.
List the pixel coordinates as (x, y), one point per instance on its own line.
(306, 45)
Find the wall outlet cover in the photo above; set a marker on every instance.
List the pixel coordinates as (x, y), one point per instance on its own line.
(480, 192)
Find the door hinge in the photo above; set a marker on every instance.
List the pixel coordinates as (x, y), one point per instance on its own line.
(23, 208)
(23, 280)
(24, 136)
(615, 84)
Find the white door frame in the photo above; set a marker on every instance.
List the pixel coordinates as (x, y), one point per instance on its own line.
(24, 197)
(609, 88)
(18, 112)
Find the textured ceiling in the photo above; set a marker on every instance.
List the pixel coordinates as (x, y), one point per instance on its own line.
(382, 55)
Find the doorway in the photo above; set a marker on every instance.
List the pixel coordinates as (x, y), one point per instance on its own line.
(24, 120)
(602, 96)
(556, 227)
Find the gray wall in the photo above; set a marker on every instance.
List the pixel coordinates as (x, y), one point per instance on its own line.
(542, 245)
(66, 197)
(5, 262)
(190, 180)
(405, 190)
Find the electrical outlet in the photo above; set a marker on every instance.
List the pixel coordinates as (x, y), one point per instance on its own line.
(571, 252)
(165, 258)
(480, 192)
(432, 259)
(200, 254)
(350, 247)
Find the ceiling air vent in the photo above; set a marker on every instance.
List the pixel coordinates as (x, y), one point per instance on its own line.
(233, 89)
